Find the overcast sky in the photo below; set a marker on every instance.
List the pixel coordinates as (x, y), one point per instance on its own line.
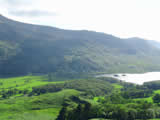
(123, 18)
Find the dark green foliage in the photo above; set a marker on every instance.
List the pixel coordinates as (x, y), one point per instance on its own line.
(137, 93)
(4, 95)
(91, 87)
(156, 98)
(155, 85)
(47, 88)
(85, 110)
(11, 92)
(80, 112)
(110, 80)
(120, 113)
(62, 114)
(145, 114)
(116, 98)
(132, 113)
(116, 105)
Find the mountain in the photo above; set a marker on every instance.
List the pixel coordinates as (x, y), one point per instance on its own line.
(27, 48)
(155, 43)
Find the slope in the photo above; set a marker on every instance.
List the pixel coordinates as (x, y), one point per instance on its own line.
(27, 48)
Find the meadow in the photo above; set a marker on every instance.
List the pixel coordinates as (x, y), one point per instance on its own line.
(22, 107)
(45, 97)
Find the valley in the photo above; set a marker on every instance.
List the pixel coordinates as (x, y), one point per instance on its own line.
(47, 73)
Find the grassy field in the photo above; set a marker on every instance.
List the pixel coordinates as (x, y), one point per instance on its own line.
(43, 107)
(149, 99)
(21, 107)
(47, 106)
(157, 91)
(117, 86)
(25, 82)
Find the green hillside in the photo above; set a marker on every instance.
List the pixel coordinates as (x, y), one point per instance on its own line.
(47, 73)
(27, 48)
(21, 98)
(77, 99)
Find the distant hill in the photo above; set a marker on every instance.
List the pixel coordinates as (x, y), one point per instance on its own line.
(27, 48)
(155, 43)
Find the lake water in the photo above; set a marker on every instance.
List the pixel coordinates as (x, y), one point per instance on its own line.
(135, 78)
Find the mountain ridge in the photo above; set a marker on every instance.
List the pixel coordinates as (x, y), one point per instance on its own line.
(27, 48)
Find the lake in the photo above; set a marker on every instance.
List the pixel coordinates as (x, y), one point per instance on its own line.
(135, 78)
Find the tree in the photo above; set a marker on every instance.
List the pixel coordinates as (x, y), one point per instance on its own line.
(62, 114)
(156, 98)
(132, 113)
(4, 95)
(119, 113)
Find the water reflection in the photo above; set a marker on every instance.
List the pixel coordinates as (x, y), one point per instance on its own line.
(135, 78)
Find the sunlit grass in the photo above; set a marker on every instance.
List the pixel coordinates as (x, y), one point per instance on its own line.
(117, 86)
(149, 99)
(24, 82)
(43, 107)
(157, 91)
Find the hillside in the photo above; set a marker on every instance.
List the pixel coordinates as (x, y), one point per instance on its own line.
(27, 48)
(42, 98)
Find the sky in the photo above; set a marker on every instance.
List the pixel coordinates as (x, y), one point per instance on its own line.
(122, 18)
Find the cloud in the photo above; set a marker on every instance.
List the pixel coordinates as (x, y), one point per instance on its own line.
(15, 3)
(25, 8)
(125, 18)
(31, 13)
